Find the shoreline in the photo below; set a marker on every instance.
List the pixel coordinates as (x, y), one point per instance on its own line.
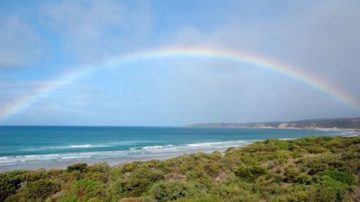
(110, 161)
(113, 159)
(305, 169)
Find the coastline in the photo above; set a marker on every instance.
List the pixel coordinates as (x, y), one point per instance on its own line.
(115, 158)
(304, 169)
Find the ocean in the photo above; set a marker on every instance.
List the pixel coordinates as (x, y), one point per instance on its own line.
(27, 147)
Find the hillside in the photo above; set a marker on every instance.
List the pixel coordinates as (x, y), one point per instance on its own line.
(344, 123)
(306, 169)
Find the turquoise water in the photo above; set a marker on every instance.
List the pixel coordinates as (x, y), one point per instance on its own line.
(33, 147)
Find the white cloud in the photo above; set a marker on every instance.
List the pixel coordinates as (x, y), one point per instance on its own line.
(95, 29)
(322, 37)
(19, 44)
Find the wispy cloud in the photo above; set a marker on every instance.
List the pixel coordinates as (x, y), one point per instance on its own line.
(95, 29)
(19, 43)
(320, 37)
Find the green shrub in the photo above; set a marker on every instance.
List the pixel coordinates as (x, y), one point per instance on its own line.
(307, 169)
(280, 144)
(84, 190)
(80, 167)
(137, 182)
(132, 199)
(316, 149)
(68, 197)
(35, 191)
(201, 198)
(331, 194)
(8, 186)
(303, 179)
(42, 188)
(129, 167)
(251, 172)
(172, 190)
(332, 190)
(291, 173)
(99, 167)
(341, 176)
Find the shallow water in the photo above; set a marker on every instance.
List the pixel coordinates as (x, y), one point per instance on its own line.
(57, 147)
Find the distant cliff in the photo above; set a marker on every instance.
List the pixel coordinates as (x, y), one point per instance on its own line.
(348, 123)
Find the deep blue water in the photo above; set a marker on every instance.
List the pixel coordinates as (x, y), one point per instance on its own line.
(23, 146)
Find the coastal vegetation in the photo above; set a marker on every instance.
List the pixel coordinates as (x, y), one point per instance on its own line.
(306, 169)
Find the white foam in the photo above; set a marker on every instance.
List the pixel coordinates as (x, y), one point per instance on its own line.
(136, 153)
(220, 144)
(287, 138)
(76, 157)
(82, 146)
(157, 147)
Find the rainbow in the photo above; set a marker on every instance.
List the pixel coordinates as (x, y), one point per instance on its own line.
(74, 74)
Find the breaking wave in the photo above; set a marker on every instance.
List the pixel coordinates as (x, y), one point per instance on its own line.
(131, 153)
(82, 146)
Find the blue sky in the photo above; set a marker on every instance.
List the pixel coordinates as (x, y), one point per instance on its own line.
(40, 40)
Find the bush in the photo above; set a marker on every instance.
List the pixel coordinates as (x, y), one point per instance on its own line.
(341, 176)
(173, 190)
(331, 190)
(42, 188)
(280, 144)
(303, 179)
(8, 186)
(80, 167)
(308, 169)
(316, 150)
(85, 190)
(132, 199)
(100, 167)
(137, 182)
(330, 194)
(201, 198)
(250, 173)
(291, 173)
(36, 191)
